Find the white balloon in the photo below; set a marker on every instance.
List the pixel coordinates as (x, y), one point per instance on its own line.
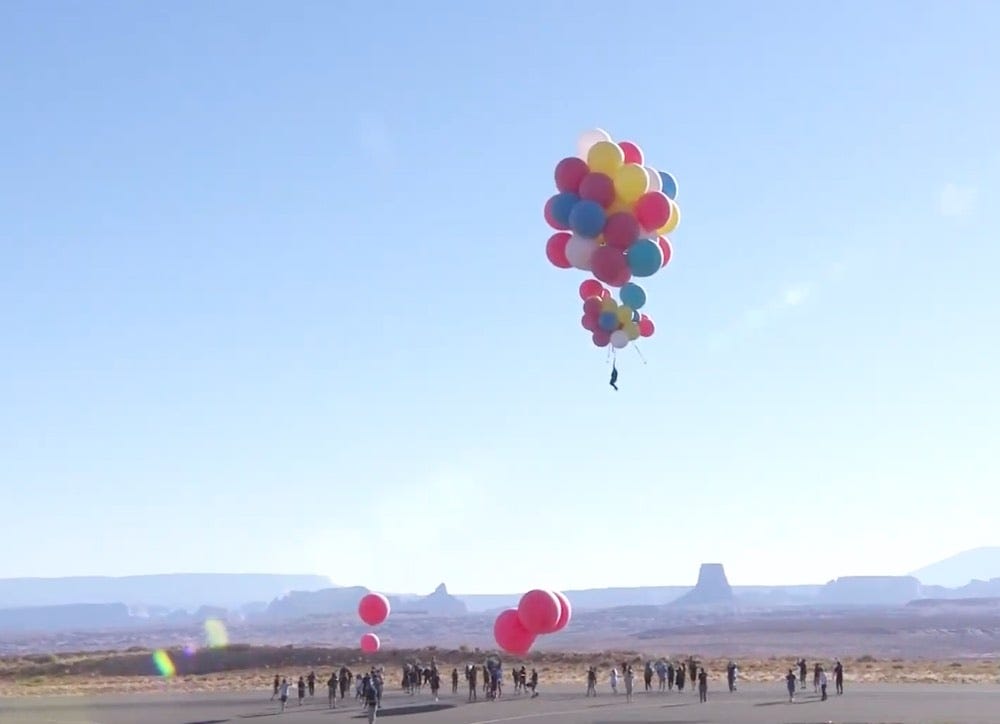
(579, 250)
(588, 139)
(619, 338)
(655, 182)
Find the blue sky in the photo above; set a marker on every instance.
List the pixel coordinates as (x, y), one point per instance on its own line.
(273, 286)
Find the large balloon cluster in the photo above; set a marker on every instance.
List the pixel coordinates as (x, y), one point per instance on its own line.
(373, 609)
(612, 214)
(538, 612)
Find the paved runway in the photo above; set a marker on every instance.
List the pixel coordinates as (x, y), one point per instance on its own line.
(874, 704)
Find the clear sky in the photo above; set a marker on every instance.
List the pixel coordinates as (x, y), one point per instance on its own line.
(273, 292)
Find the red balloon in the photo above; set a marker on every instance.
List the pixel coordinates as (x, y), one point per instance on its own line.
(665, 247)
(609, 264)
(601, 338)
(592, 306)
(555, 249)
(590, 288)
(370, 643)
(633, 154)
(621, 230)
(652, 210)
(373, 608)
(510, 633)
(549, 219)
(623, 278)
(539, 611)
(567, 611)
(598, 187)
(646, 326)
(589, 322)
(569, 173)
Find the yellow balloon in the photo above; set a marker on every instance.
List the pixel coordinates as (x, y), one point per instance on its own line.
(631, 182)
(673, 221)
(619, 205)
(632, 330)
(624, 314)
(609, 305)
(605, 157)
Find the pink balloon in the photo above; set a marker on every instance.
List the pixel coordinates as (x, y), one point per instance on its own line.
(539, 611)
(370, 643)
(590, 288)
(646, 326)
(567, 611)
(598, 187)
(549, 219)
(569, 173)
(510, 633)
(609, 264)
(602, 338)
(652, 209)
(373, 608)
(621, 230)
(592, 306)
(633, 154)
(665, 247)
(555, 249)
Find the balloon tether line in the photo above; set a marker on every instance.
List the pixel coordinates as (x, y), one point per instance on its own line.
(639, 352)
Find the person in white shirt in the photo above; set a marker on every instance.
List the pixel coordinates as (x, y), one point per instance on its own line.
(614, 680)
(283, 693)
(822, 684)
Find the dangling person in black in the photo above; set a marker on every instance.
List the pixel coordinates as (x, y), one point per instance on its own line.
(614, 376)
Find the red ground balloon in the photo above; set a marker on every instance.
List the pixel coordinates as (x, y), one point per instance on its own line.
(539, 611)
(567, 611)
(510, 634)
(373, 608)
(370, 643)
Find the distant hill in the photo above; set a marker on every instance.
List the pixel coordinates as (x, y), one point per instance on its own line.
(977, 564)
(871, 591)
(345, 600)
(84, 616)
(189, 591)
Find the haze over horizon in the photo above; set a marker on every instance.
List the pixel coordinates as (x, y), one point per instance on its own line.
(261, 314)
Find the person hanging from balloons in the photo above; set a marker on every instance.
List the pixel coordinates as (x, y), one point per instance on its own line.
(614, 376)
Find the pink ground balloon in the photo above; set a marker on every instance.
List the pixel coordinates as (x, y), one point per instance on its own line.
(539, 611)
(664, 244)
(590, 288)
(370, 643)
(621, 230)
(598, 187)
(569, 173)
(373, 608)
(555, 249)
(633, 154)
(567, 611)
(608, 264)
(592, 306)
(510, 633)
(652, 209)
(646, 326)
(601, 338)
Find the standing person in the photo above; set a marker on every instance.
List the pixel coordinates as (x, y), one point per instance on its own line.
(302, 690)
(283, 693)
(344, 679)
(534, 683)
(692, 670)
(591, 681)
(790, 682)
(647, 675)
(311, 679)
(822, 683)
(522, 675)
(435, 683)
(629, 682)
(702, 686)
(614, 681)
(370, 697)
(331, 690)
(359, 687)
(514, 676)
(670, 675)
(838, 676)
(454, 681)
(680, 676)
(731, 676)
(802, 673)
(816, 671)
(470, 673)
(277, 683)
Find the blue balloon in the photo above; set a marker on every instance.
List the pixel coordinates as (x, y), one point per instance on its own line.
(562, 205)
(587, 218)
(608, 321)
(669, 185)
(644, 258)
(633, 295)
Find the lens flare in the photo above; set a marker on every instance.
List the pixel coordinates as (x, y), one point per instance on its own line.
(215, 633)
(163, 664)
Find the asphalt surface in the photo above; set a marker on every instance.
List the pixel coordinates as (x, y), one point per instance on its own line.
(871, 704)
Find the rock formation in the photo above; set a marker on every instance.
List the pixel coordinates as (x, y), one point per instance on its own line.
(712, 588)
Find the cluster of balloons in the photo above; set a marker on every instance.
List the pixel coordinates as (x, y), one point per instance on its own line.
(538, 612)
(373, 609)
(612, 215)
(610, 322)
